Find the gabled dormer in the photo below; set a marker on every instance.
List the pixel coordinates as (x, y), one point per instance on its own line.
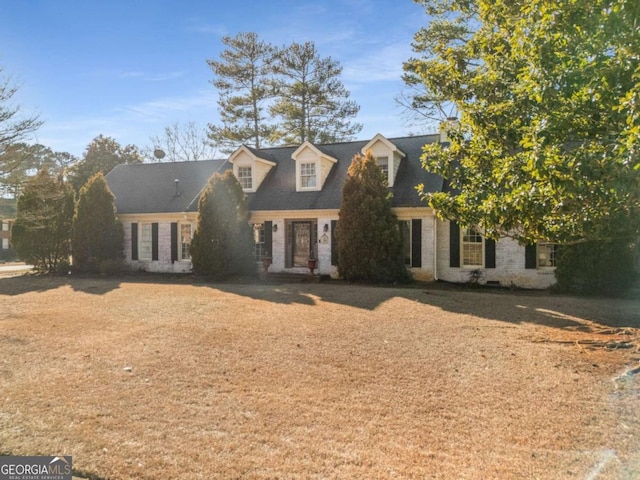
(312, 167)
(387, 156)
(250, 167)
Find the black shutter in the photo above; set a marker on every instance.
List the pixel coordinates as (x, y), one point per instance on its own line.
(154, 241)
(489, 253)
(416, 242)
(334, 243)
(134, 241)
(530, 256)
(268, 238)
(454, 244)
(174, 242)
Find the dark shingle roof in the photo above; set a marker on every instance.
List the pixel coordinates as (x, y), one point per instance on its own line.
(278, 190)
(150, 188)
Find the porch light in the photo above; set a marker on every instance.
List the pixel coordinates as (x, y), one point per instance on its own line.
(275, 227)
(325, 229)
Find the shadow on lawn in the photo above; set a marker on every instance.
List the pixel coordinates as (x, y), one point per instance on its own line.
(542, 308)
(27, 283)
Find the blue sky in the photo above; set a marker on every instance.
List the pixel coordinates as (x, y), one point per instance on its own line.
(127, 69)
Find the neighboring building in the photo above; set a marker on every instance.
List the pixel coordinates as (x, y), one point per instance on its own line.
(294, 196)
(5, 234)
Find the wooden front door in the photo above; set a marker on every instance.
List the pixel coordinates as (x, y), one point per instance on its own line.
(301, 243)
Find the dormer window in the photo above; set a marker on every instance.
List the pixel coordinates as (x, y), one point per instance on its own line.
(308, 175)
(313, 165)
(383, 163)
(387, 155)
(245, 178)
(250, 166)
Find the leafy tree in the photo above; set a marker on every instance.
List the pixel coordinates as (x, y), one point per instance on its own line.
(13, 126)
(42, 232)
(182, 143)
(242, 76)
(549, 101)
(311, 102)
(369, 242)
(97, 240)
(222, 244)
(102, 154)
(24, 161)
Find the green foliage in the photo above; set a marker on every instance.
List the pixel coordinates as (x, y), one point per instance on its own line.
(41, 233)
(222, 244)
(369, 241)
(243, 78)
(596, 268)
(549, 101)
(97, 240)
(101, 156)
(21, 161)
(293, 83)
(312, 103)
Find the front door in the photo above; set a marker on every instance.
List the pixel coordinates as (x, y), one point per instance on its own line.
(301, 244)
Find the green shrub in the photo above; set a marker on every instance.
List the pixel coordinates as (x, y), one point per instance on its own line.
(596, 268)
(98, 237)
(41, 233)
(222, 244)
(369, 241)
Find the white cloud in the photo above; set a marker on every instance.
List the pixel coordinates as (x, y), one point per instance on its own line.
(384, 64)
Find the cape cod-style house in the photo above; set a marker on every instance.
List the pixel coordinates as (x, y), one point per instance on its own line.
(294, 196)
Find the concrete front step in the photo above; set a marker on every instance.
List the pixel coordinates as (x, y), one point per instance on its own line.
(283, 277)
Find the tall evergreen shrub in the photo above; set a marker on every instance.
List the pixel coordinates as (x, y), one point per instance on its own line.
(222, 244)
(97, 240)
(41, 234)
(369, 241)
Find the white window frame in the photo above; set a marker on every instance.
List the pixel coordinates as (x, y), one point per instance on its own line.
(5, 244)
(5, 226)
(471, 232)
(246, 181)
(546, 252)
(145, 244)
(383, 163)
(182, 244)
(258, 241)
(309, 176)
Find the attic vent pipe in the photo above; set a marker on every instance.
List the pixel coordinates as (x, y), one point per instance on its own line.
(177, 182)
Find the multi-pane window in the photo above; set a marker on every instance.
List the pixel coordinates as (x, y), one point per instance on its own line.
(383, 163)
(245, 178)
(307, 175)
(5, 226)
(546, 253)
(185, 241)
(471, 248)
(258, 241)
(5, 243)
(144, 243)
(405, 233)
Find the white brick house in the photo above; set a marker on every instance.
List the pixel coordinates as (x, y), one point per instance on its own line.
(294, 196)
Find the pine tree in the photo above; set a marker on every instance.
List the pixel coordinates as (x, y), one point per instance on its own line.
(222, 244)
(97, 238)
(311, 102)
(242, 77)
(42, 232)
(369, 242)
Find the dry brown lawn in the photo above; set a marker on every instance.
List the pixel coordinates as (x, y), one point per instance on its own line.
(152, 379)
